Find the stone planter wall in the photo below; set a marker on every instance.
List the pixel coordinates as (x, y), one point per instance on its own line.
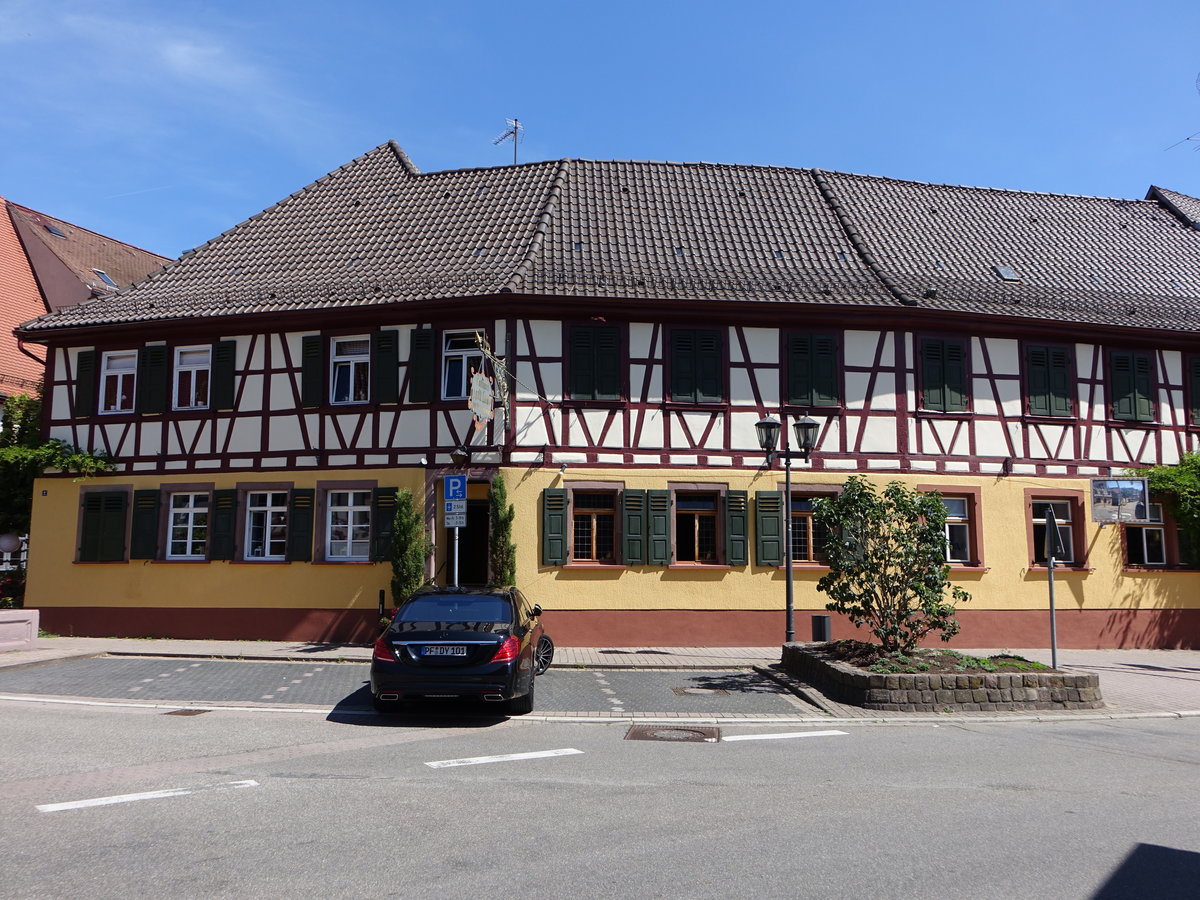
(18, 629)
(930, 693)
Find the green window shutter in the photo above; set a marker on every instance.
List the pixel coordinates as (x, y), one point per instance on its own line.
(683, 365)
(1059, 381)
(422, 366)
(385, 366)
(825, 379)
(799, 373)
(633, 527)
(301, 502)
(224, 362)
(102, 538)
(736, 547)
(312, 371)
(85, 383)
(933, 375)
(222, 524)
(710, 367)
(554, 527)
(1037, 380)
(1124, 395)
(658, 521)
(153, 378)
(1143, 369)
(954, 369)
(582, 362)
(143, 541)
(608, 363)
(768, 528)
(383, 523)
(1194, 371)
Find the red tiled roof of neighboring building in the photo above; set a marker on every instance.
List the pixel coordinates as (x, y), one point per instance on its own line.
(20, 301)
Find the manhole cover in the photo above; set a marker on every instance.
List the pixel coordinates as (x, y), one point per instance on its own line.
(187, 712)
(697, 691)
(688, 733)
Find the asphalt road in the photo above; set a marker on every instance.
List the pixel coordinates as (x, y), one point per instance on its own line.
(343, 685)
(120, 801)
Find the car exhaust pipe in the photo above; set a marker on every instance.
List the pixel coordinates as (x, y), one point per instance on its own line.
(493, 698)
(389, 697)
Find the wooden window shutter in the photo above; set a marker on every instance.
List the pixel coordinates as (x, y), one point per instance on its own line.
(825, 379)
(799, 373)
(1143, 387)
(422, 366)
(768, 528)
(224, 363)
(633, 527)
(143, 541)
(85, 383)
(1124, 400)
(301, 504)
(683, 365)
(385, 366)
(153, 379)
(933, 375)
(1194, 384)
(954, 369)
(222, 524)
(736, 537)
(383, 523)
(1059, 381)
(1037, 380)
(607, 363)
(710, 367)
(658, 521)
(312, 371)
(102, 537)
(554, 527)
(582, 362)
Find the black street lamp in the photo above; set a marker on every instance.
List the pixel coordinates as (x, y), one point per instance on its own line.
(806, 429)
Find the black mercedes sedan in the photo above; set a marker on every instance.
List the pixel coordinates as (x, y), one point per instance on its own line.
(457, 643)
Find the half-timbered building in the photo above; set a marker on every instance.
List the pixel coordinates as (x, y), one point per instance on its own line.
(265, 396)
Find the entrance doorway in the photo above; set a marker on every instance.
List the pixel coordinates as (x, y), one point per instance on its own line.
(473, 542)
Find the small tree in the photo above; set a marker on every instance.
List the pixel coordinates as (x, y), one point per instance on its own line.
(502, 552)
(410, 548)
(887, 563)
(1180, 487)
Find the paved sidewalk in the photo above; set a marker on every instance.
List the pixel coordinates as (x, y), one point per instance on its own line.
(1133, 682)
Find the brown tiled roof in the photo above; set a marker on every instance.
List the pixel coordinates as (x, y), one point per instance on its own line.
(378, 232)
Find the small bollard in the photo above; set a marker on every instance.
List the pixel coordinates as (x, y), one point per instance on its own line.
(821, 629)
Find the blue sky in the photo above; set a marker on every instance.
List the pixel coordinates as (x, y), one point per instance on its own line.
(165, 123)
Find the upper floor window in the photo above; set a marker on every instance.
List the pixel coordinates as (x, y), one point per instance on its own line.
(461, 358)
(118, 381)
(812, 370)
(943, 375)
(594, 362)
(350, 370)
(697, 365)
(193, 366)
(266, 524)
(1132, 385)
(187, 536)
(1146, 545)
(348, 525)
(1048, 381)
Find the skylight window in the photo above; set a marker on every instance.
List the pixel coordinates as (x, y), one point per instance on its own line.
(1006, 273)
(103, 276)
(54, 230)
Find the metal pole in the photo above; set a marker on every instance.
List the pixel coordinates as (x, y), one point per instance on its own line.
(454, 547)
(1053, 625)
(790, 625)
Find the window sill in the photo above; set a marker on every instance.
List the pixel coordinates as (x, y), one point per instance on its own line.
(1132, 423)
(703, 567)
(698, 405)
(938, 414)
(602, 566)
(805, 566)
(1060, 567)
(1156, 570)
(581, 403)
(1031, 419)
(344, 562)
(103, 562)
(970, 567)
(261, 562)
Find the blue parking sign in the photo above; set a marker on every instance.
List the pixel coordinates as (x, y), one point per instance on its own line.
(454, 487)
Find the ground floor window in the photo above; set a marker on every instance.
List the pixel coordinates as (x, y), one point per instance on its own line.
(695, 527)
(808, 537)
(266, 524)
(187, 536)
(348, 521)
(593, 526)
(1064, 519)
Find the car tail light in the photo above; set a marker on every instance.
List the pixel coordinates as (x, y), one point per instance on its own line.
(383, 651)
(508, 651)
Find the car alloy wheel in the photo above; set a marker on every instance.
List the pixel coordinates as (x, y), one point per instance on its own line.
(543, 655)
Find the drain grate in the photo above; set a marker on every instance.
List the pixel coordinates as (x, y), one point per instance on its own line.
(697, 691)
(680, 733)
(187, 712)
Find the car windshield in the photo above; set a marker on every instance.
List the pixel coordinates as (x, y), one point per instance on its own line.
(455, 608)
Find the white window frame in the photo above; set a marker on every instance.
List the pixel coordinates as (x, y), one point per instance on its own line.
(1138, 533)
(460, 355)
(124, 379)
(268, 514)
(347, 524)
(183, 387)
(960, 523)
(182, 525)
(354, 365)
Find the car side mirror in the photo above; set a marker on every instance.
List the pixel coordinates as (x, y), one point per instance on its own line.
(537, 610)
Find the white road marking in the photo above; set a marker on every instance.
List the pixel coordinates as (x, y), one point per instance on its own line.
(148, 795)
(785, 734)
(507, 757)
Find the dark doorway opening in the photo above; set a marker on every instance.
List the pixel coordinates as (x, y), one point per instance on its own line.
(473, 546)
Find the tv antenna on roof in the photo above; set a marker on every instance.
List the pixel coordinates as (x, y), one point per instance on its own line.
(1190, 137)
(514, 131)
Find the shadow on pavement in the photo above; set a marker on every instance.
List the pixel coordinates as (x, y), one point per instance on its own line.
(1150, 870)
(356, 709)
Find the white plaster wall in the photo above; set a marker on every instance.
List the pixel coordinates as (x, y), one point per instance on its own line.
(1011, 403)
(150, 438)
(252, 393)
(1004, 353)
(697, 422)
(879, 435)
(547, 339)
(859, 348)
(245, 358)
(284, 432)
(763, 344)
(640, 340)
(652, 429)
(1172, 367)
(245, 437)
(989, 439)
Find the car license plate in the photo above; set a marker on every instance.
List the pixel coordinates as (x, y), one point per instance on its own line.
(445, 650)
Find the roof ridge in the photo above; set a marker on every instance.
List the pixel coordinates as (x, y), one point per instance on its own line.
(539, 235)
